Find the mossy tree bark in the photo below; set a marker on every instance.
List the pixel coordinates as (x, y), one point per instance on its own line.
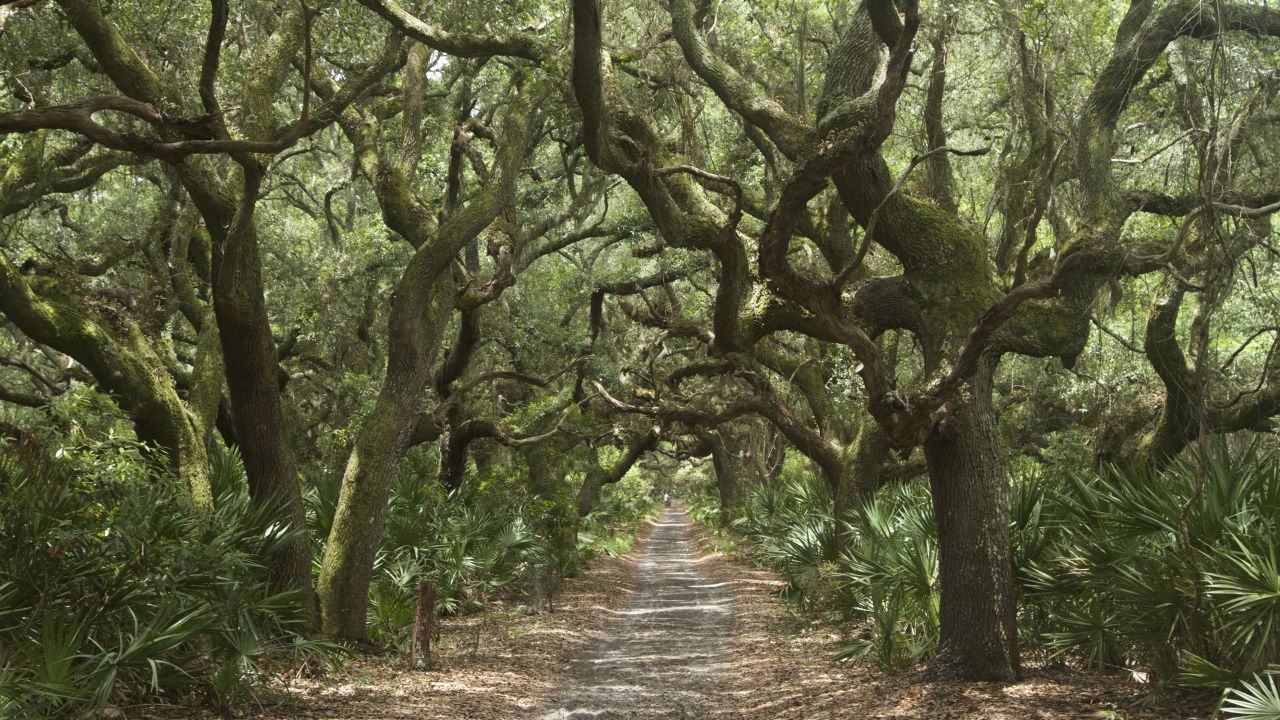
(124, 363)
(347, 567)
(421, 305)
(227, 208)
(122, 359)
(967, 476)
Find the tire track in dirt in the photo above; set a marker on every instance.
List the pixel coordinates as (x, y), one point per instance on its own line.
(663, 654)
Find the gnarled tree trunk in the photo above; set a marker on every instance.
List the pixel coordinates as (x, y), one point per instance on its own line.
(598, 477)
(249, 357)
(418, 319)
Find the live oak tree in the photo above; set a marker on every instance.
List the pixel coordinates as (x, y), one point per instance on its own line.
(184, 111)
(423, 301)
(42, 302)
(947, 293)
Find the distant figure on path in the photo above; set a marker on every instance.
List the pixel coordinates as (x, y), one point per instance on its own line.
(666, 499)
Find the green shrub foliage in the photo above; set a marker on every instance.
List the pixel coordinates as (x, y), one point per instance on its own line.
(1172, 576)
(488, 539)
(113, 591)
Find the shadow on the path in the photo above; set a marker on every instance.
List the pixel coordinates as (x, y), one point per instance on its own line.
(661, 655)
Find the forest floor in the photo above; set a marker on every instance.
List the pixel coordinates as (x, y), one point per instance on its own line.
(672, 630)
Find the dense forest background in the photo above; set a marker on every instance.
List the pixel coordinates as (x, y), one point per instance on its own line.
(965, 313)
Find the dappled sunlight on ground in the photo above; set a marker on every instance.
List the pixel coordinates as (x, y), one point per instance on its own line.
(663, 654)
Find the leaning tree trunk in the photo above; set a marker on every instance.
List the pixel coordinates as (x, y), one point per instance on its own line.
(598, 477)
(978, 639)
(419, 316)
(1180, 416)
(420, 309)
(124, 363)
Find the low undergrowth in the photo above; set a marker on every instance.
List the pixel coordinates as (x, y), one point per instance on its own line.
(487, 541)
(114, 592)
(1112, 574)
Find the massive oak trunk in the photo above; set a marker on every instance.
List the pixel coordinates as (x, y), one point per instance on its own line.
(978, 637)
(249, 357)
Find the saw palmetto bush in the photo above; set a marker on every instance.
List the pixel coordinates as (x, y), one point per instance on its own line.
(466, 543)
(112, 591)
(889, 578)
(796, 535)
(1256, 699)
(1170, 575)
(877, 569)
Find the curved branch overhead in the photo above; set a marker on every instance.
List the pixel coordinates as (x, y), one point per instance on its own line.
(520, 45)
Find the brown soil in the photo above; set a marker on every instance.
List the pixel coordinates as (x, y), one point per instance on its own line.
(673, 630)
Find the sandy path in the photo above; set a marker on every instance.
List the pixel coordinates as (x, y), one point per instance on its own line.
(662, 654)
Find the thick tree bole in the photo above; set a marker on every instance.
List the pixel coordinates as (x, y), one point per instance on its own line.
(251, 365)
(967, 476)
(728, 469)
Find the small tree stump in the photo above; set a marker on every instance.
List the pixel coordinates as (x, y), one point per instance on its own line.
(420, 640)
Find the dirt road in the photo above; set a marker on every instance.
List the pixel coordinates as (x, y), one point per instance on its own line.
(667, 632)
(662, 655)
